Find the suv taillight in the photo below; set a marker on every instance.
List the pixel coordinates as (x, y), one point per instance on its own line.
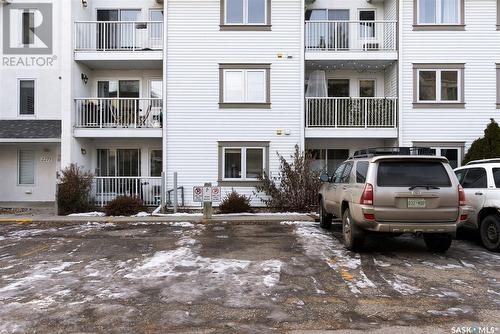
(367, 196)
(461, 196)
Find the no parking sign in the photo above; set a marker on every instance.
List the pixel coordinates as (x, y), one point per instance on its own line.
(206, 194)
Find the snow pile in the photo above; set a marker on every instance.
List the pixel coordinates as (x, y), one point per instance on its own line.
(88, 214)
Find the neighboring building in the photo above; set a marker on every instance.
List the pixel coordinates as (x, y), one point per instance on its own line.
(214, 89)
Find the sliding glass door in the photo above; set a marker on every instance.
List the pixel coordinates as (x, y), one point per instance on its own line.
(111, 34)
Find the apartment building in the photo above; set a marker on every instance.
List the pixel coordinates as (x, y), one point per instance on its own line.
(213, 90)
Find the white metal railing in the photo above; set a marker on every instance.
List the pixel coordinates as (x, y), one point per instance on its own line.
(346, 112)
(351, 35)
(118, 113)
(148, 189)
(118, 36)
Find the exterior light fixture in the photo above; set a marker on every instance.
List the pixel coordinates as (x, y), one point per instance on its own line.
(85, 78)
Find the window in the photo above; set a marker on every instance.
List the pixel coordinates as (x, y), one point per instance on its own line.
(496, 177)
(247, 14)
(439, 84)
(245, 87)
(362, 171)
(346, 174)
(156, 30)
(240, 162)
(367, 88)
(156, 165)
(337, 176)
(26, 167)
(439, 12)
(328, 160)
(119, 162)
(412, 173)
(339, 88)
(367, 25)
(451, 153)
(498, 84)
(476, 178)
(26, 97)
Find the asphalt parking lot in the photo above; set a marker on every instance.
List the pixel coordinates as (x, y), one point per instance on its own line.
(237, 278)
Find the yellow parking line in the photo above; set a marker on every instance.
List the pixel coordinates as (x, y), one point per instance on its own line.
(16, 220)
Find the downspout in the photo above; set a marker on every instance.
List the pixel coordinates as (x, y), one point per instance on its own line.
(302, 77)
(164, 117)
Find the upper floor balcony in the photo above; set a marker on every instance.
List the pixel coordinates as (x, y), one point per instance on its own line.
(351, 40)
(118, 117)
(351, 117)
(101, 43)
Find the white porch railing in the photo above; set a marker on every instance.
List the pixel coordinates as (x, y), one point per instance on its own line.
(351, 35)
(97, 113)
(118, 36)
(148, 189)
(346, 112)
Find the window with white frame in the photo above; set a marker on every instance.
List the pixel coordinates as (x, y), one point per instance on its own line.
(245, 12)
(445, 12)
(439, 85)
(26, 167)
(453, 154)
(244, 86)
(243, 163)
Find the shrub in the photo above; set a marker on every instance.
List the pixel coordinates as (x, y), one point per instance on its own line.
(235, 203)
(487, 147)
(74, 190)
(296, 186)
(124, 206)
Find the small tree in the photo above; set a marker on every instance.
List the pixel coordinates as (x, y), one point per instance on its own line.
(296, 186)
(124, 206)
(235, 203)
(487, 147)
(74, 190)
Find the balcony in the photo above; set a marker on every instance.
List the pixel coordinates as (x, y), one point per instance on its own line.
(101, 44)
(346, 117)
(148, 189)
(118, 117)
(351, 40)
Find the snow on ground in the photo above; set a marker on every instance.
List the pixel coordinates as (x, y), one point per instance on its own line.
(88, 214)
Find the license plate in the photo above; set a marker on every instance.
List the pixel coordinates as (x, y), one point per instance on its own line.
(414, 203)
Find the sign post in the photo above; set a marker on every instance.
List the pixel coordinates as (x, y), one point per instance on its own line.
(207, 195)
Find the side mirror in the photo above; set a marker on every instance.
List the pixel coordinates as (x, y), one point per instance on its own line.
(324, 177)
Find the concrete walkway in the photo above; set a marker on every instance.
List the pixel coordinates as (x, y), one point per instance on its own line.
(193, 218)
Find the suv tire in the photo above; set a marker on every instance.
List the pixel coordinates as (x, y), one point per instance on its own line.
(325, 219)
(353, 236)
(490, 232)
(438, 243)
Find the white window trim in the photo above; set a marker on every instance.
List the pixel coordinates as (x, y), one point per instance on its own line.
(245, 85)
(243, 162)
(245, 15)
(35, 94)
(440, 148)
(19, 184)
(438, 15)
(438, 85)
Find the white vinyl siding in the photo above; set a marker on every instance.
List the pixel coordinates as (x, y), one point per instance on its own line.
(244, 86)
(26, 167)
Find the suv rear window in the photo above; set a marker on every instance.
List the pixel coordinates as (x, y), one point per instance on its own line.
(496, 176)
(412, 173)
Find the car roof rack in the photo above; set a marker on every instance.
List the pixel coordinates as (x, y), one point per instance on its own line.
(484, 161)
(378, 151)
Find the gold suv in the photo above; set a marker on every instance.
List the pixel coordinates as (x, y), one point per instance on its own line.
(394, 191)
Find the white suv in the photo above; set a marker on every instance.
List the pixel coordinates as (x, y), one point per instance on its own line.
(481, 182)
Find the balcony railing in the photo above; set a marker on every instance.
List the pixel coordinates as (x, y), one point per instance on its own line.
(346, 112)
(98, 113)
(351, 35)
(118, 36)
(148, 189)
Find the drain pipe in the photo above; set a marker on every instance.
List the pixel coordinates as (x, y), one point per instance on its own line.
(164, 116)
